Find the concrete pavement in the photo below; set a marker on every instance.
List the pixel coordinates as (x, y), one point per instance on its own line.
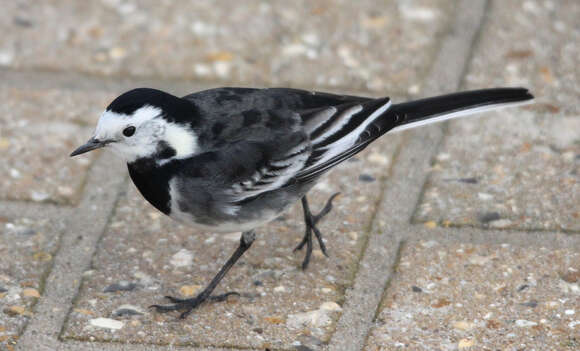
(457, 236)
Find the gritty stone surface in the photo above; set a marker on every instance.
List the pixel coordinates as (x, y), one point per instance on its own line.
(38, 130)
(27, 248)
(518, 168)
(488, 297)
(447, 296)
(280, 305)
(379, 46)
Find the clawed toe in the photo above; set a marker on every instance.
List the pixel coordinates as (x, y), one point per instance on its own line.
(302, 243)
(174, 299)
(167, 308)
(223, 297)
(188, 305)
(177, 304)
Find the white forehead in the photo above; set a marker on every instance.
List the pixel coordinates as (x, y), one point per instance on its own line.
(111, 123)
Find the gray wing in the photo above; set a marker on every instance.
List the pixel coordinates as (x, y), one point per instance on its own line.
(338, 132)
(329, 136)
(302, 134)
(274, 174)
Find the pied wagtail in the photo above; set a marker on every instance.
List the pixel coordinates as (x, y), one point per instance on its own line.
(232, 159)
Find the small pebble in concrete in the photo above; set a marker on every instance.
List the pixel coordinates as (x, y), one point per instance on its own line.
(489, 217)
(106, 323)
(120, 286)
(522, 323)
(465, 343)
(127, 310)
(485, 196)
(183, 258)
(30, 292)
(280, 289)
(523, 287)
(15, 310)
(317, 318)
(463, 325)
(189, 290)
(531, 304)
(366, 178)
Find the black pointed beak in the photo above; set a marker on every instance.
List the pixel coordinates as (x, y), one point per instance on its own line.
(92, 144)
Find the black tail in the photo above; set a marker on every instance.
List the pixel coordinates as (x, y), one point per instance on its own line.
(402, 116)
(439, 108)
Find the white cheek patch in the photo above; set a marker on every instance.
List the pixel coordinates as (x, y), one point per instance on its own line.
(182, 139)
(111, 123)
(150, 131)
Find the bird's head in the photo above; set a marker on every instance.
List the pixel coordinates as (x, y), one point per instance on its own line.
(145, 123)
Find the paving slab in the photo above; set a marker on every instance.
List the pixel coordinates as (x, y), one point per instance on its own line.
(38, 130)
(27, 247)
(362, 45)
(144, 255)
(517, 168)
(481, 297)
(531, 293)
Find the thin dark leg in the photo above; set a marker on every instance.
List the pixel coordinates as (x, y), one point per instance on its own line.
(187, 305)
(311, 220)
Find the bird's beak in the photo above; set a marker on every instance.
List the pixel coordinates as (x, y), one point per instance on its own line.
(92, 144)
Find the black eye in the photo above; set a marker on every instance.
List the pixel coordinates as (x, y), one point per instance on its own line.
(129, 131)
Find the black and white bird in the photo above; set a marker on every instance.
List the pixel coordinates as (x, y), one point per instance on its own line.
(232, 159)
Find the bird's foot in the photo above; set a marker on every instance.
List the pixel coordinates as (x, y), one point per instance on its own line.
(311, 221)
(188, 305)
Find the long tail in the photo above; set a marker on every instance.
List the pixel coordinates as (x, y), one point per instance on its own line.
(356, 126)
(441, 108)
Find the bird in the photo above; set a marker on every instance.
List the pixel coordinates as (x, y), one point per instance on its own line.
(231, 159)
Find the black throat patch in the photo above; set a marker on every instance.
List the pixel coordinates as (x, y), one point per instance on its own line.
(152, 179)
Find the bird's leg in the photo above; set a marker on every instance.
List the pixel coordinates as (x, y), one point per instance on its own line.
(187, 305)
(311, 220)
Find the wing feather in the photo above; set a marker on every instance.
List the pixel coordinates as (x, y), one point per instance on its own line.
(338, 143)
(274, 175)
(306, 136)
(333, 135)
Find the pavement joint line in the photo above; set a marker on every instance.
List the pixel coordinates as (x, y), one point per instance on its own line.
(75, 345)
(34, 210)
(514, 229)
(34, 79)
(402, 196)
(550, 240)
(368, 228)
(40, 79)
(74, 255)
(402, 245)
